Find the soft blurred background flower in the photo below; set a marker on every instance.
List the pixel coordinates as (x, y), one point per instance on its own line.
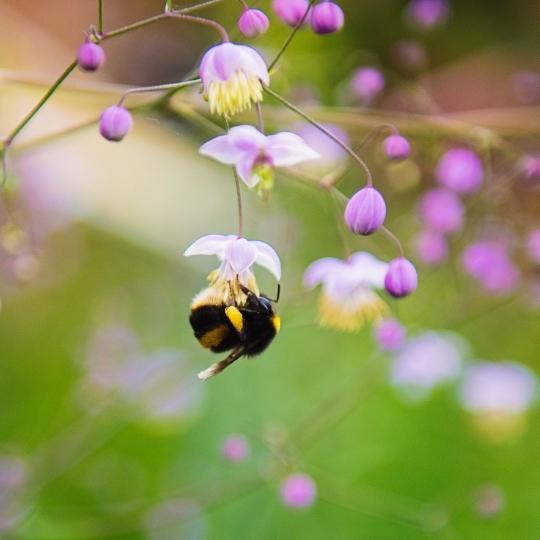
(392, 432)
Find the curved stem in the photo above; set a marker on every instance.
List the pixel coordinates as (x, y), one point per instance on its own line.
(239, 204)
(394, 239)
(157, 88)
(201, 20)
(260, 117)
(100, 17)
(291, 37)
(320, 127)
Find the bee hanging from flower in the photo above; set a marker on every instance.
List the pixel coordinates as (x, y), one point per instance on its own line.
(231, 314)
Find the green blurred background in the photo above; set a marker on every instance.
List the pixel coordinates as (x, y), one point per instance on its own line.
(90, 452)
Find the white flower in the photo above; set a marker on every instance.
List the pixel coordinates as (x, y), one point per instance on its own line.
(237, 256)
(232, 77)
(253, 153)
(427, 361)
(498, 387)
(348, 299)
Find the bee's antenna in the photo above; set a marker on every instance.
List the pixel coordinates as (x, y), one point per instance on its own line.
(278, 293)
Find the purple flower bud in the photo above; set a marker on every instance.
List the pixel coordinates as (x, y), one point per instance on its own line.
(490, 264)
(427, 14)
(397, 147)
(365, 212)
(90, 56)
(298, 491)
(411, 56)
(115, 122)
(235, 448)
(533, 245)
(253, 23)
(366, 83)
(401, 278)
(390, 335)
(461, 170)
(290, 12)
(431, 247)
(326, 18)
(441, 210)
(529, 167)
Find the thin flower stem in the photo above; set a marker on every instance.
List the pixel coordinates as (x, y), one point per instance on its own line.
(239, 203)
(40, 104)
(100, 17)
(155, 18)
(290, 38)
(201, 20)
(244, 4)
(394, 239)
(260, 117)
(320, 127)
(339, 221)
(157, 88)
(168, 5)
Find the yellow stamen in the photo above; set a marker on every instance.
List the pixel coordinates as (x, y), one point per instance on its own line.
(347, 319)
(234, 95)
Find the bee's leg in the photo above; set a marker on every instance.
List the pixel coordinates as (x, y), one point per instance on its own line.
(218, 367)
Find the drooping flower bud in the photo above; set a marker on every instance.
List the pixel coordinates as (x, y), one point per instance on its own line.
(115, 123)
(365, 212)
(253, 23)
(441, 210)
(397, 147)
(367, 83)
(401, 278)
(427, 14)
(90, 56)
(326, 18)
(290, 12)
(235, 448)
(390, 335)
(460, 170)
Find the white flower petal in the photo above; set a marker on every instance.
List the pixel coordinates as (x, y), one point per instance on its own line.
(244, 168)
(322, 271)
(240, 254)
(287, 149)
(253, 64)
(222, 149)
(368, 269)
(268, 258)
(212, 244)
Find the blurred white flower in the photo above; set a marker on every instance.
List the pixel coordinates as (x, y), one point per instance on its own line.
(427, 361)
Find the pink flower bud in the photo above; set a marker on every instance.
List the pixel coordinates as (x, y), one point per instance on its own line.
(397, 147)
(460, 170)
(326, 18)
(431, 247)
(90, 56)
(298, 491)
(401, 278)
(365, 212)
(253, 23)
(115, 122)
(441, 210)
(390, 335)
(367, 83)
(235, 448)
(290, 12)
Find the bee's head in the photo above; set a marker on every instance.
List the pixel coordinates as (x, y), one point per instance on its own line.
(266, 304)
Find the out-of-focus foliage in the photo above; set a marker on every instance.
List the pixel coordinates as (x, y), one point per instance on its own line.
(106, 432)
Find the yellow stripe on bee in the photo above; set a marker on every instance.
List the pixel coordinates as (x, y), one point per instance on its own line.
(236, 318)
(213, 337)
(276, 321)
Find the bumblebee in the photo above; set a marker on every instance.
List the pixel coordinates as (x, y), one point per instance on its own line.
(245, 328)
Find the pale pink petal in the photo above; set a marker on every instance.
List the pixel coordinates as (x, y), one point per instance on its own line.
(212, 244)
(247, 138)
(253, 64)
(368, 270)
(268, 258)
(287, 149)
(240, 254)
(244, 168)
(222, 149)
(322, 271)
